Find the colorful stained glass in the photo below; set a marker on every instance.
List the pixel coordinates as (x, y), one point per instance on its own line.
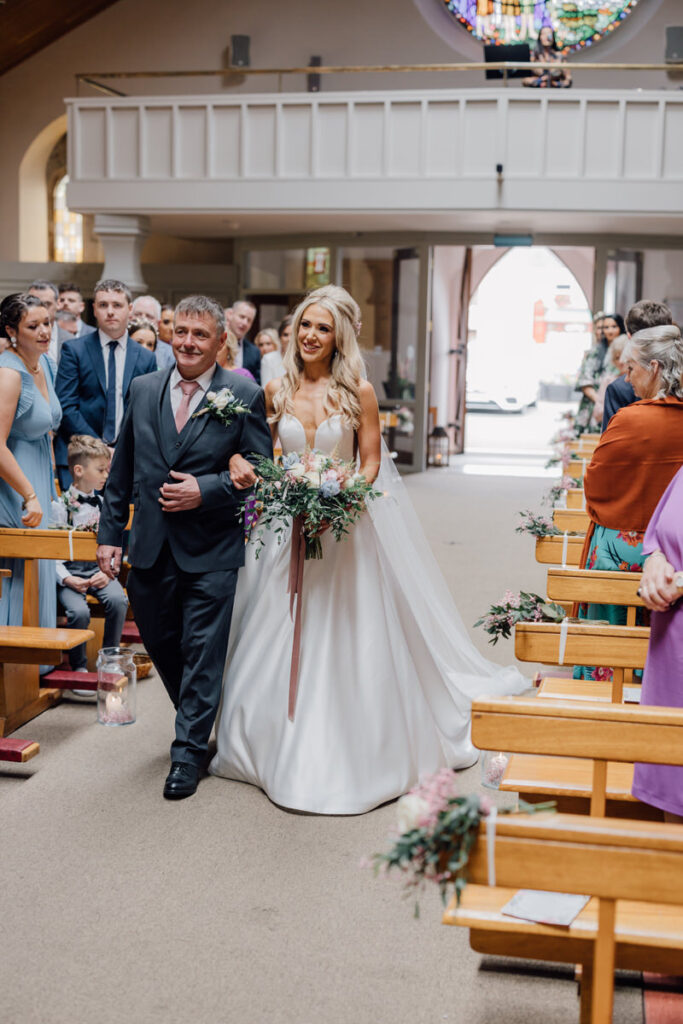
(577, 23)
(68, 227)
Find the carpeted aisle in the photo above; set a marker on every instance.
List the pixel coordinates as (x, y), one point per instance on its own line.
(117, 906)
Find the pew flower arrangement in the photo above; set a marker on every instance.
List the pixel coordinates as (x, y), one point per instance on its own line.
(436, 830)
(536, 524)
(316, 489)
(523, 607)
(556, 492)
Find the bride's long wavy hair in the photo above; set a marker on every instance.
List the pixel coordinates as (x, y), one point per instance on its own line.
(347, 363)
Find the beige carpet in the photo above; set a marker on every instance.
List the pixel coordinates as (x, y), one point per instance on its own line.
(116, 906)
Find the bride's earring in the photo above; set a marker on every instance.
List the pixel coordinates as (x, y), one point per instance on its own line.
(13, 342)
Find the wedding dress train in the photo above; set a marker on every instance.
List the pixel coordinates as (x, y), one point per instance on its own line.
(387, 672)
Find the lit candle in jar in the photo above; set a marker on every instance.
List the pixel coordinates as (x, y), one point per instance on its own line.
(113, 703)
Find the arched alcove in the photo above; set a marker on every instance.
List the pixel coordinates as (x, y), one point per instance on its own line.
(34, 212)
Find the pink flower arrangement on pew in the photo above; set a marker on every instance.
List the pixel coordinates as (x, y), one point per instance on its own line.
(437, 828)
(501, 618)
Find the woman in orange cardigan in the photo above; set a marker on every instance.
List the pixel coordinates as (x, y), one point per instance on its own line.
(638, 456)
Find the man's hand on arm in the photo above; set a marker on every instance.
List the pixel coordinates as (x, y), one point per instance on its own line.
(181, 496)
(242, 472)
(109, 560)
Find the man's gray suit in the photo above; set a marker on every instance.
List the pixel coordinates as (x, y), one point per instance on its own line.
(184, 564)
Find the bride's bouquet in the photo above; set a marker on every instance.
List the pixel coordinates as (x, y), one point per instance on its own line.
(311, 490)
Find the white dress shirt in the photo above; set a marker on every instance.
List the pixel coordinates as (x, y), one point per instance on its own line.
(120, 361)
(272, 366)
(176, 393)
(54, 347)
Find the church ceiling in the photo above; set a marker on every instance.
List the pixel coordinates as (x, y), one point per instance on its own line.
(27, 26)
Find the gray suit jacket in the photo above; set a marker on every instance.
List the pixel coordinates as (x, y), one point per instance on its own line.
(205, 539)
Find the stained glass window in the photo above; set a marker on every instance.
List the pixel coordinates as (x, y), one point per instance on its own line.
(577, 23)
(68, 227)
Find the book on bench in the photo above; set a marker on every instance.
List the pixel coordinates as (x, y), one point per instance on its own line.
(554, 908)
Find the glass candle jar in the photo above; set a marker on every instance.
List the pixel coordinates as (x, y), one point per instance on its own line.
(116, 684)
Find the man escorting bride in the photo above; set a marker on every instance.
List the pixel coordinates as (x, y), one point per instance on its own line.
(387, 671)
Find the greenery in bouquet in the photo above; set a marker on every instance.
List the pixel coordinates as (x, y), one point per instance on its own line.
(536, 524)
(317, 489)
(436, 830)
(501, 618)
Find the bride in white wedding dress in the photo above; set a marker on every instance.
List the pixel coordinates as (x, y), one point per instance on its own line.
(387, 671)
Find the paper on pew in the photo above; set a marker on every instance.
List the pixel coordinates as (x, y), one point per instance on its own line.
(632, 695)
(556, 908)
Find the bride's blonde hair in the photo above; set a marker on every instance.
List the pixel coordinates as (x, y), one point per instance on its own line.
(346, 370)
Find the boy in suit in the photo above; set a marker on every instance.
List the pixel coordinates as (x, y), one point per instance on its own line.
(89, 466)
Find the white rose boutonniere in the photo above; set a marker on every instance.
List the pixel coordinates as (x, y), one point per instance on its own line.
(223, 406)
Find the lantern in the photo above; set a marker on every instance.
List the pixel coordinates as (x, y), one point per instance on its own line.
(439, 447)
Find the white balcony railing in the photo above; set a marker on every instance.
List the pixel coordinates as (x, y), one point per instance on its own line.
(413, 150)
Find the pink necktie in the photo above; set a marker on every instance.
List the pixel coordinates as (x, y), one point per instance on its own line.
(188, 388)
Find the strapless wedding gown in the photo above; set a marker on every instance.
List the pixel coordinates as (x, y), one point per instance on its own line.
(387, 672)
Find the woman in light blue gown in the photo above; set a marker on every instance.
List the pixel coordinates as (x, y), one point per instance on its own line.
(29, 411)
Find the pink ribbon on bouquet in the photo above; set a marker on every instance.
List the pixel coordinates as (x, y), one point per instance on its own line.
(295, 591)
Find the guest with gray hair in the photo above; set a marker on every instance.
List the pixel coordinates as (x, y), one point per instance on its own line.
(150, 308)
(654, 362)
(637, 457)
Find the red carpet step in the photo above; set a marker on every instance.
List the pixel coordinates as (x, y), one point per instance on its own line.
(663, 999)
(18, 751)
(65, 679)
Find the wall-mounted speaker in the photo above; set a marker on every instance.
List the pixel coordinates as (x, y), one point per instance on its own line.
(313, 81)
(674, 44)
(239, 51)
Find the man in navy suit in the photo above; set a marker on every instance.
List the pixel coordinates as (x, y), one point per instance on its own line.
(95, 374)
(239, 318)
(186, 542)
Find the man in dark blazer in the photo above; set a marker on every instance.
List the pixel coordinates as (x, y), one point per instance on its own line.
(240, 317)
(95, 373)
(187, 542)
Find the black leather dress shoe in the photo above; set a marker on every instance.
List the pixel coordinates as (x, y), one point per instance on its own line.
(181, 781)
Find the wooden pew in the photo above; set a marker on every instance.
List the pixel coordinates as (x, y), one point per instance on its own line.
(576, 498)
(592, 738)
(21, 697)
(633, 872)
(568, 781)
(571, 520)
(587, 643)
(568, 586)
(549, 550)
(22, 650)
(577, 467)
(585, 445)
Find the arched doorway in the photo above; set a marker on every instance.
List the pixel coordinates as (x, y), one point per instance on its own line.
(529, 324)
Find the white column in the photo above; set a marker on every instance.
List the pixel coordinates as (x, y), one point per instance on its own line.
(123, 237)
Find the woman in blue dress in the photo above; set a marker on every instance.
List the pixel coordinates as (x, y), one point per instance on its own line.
(29, 411)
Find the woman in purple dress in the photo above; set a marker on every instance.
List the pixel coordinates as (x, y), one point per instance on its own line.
(661, 589)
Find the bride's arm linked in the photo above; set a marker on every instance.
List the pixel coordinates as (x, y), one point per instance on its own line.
(369, 434)
(241, 471)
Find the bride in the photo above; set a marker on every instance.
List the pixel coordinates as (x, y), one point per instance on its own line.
(387, 671)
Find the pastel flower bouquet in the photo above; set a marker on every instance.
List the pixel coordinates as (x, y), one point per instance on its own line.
(437, 829)
(315, 489)
(68, 513)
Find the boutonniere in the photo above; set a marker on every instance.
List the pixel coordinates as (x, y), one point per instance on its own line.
(223, 406)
